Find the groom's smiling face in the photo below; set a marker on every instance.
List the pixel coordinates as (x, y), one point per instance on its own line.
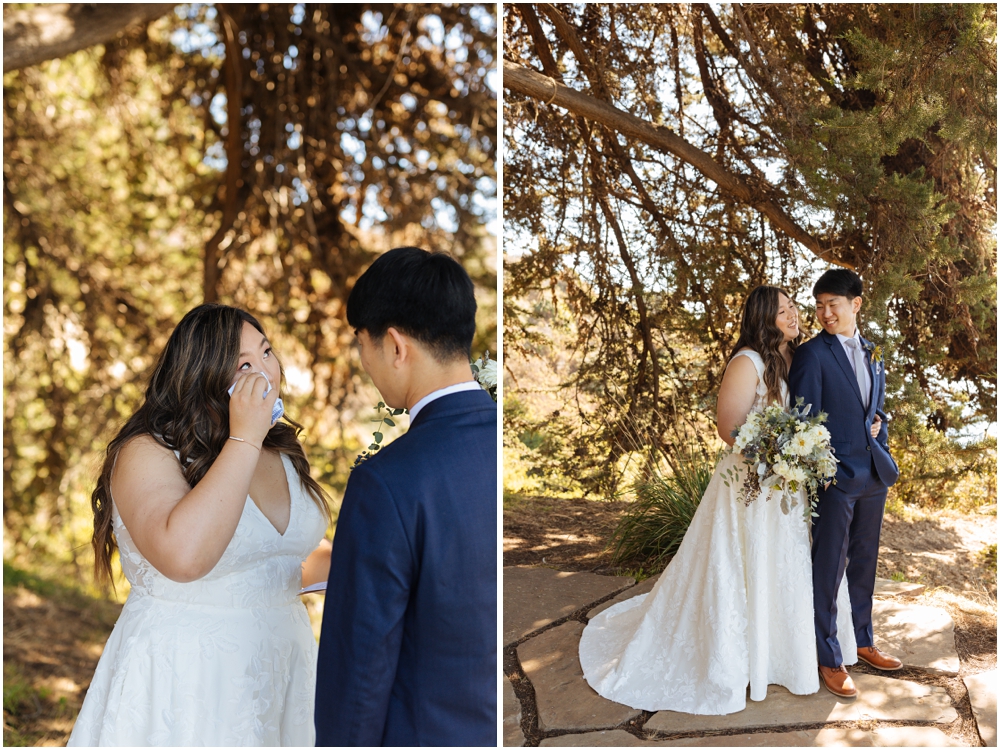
(837, 314)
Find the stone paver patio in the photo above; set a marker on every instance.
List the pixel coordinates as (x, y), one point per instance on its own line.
(536, 597)
(512, 734)
(570, 714)
(983, 694)
(826, 737)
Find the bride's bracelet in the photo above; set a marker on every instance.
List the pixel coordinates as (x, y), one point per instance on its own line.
(241, 440)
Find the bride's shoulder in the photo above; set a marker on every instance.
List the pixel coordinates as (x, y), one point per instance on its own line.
(147, 452)
(745, 363)
(746, 353)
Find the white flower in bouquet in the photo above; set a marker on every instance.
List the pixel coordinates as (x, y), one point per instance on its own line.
(484, 370)
(826, 466)
(749, 432)
(789, 472)
(799, 445)
(818, 435)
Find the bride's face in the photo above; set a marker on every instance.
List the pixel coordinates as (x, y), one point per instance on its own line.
(256, 356)
(788, 318)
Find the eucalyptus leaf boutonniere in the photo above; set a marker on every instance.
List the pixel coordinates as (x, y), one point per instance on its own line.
(385, 419)
(484, 370)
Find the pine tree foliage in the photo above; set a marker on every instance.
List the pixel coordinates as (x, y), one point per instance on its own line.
(663, 159)
(259, 155)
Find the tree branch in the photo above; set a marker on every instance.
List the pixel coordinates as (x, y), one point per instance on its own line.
(542, 48)
(46, 32)
(234, 154)
(529, 83)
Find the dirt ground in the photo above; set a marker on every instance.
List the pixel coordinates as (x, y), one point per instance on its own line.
(53, 637)
(943, 548)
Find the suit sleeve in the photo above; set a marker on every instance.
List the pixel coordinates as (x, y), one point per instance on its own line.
(883, 434)
(805, 380)
(370, 576)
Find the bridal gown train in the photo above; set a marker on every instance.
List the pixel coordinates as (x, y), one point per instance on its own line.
(733, 608)
(229, 659)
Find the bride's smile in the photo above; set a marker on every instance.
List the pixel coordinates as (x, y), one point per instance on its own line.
(788, 318)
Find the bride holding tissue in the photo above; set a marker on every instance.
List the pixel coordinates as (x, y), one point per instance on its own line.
(208, 498)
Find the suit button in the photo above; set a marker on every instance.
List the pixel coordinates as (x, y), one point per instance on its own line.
(868, 447)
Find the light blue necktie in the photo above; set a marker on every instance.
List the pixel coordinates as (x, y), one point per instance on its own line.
(860, 369)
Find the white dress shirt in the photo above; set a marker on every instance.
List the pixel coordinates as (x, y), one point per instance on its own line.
(470, 385)
(864, 377)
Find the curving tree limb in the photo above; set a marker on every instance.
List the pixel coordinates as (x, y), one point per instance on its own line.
(539, 87)
(45, 32)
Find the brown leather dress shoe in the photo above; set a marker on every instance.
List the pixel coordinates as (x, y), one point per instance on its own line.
(873, 657)
(838, 682)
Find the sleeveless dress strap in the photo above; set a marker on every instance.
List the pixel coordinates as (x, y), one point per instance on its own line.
(754, 357)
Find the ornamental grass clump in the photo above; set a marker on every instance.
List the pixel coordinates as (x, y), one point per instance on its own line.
(651, 530)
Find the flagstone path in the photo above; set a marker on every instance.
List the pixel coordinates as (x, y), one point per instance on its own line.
(983, 694)
(547, 702)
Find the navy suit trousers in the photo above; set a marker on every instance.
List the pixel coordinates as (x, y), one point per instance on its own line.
(845, 537)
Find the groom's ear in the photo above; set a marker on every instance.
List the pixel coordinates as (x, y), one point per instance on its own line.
(856, 304)
(401, 346)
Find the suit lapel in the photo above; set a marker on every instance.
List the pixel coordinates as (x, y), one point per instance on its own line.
(845, 364)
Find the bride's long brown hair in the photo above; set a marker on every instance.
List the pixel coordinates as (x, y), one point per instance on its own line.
(187, 409)
(759, 332)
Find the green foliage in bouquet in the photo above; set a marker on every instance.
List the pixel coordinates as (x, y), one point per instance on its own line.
(786, 451)
(651, 530)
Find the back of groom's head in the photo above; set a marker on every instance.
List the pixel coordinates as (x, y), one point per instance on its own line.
(427, 296)
(840, 282)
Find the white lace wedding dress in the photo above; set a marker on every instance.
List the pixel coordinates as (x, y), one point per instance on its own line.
(733, 608)
(229, 659)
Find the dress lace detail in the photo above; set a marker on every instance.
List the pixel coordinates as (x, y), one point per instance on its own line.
(733, 608)
(229, 659)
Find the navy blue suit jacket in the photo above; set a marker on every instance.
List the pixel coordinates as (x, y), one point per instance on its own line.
(407, 653)
(822, 374)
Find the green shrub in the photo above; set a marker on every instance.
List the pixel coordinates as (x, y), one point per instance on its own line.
(989, 555)
(650, 531)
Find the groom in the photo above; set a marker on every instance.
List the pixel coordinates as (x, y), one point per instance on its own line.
(407, 652)
(843, 374)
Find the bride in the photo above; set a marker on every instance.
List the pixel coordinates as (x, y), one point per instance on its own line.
(734, 606)
(210, 503)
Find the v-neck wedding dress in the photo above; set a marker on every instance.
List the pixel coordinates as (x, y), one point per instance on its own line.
(229, 659)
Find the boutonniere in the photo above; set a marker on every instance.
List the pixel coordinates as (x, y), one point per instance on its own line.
(875, 352)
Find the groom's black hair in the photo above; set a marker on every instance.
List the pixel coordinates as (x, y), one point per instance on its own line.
(839, 281)
(427, 296)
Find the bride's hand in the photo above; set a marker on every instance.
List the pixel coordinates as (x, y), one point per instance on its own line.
(876, 426)
(249, 409)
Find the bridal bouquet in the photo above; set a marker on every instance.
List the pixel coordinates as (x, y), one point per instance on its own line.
(484, 370)
(785, 451)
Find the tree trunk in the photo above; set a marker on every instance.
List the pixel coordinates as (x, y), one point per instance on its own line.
(46, 32)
